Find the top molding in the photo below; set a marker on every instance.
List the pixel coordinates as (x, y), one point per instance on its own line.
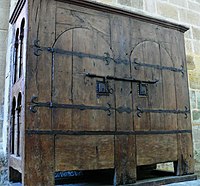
(18, 8)
(114, 10)
(108, 9)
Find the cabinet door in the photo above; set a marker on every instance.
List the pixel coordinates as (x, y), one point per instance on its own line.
(82, 59)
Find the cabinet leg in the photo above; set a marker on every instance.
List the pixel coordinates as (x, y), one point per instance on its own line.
(125, 164)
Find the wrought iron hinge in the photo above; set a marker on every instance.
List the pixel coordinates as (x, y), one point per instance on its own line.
(159, 67)
(38, 51)
(51, 105)
(142, 110)
(108, 108)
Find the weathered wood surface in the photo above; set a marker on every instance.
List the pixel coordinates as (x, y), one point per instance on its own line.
(64, 49)
(125, 161)
(152, 149)
(39, 160)
(39, 68)
(84, 152)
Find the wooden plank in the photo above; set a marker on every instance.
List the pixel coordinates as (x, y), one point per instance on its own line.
(143, 122)
(76, 16)
(148, 52)
(84, 152)
(120, 41)
(88, 41)
(185, 163)
(169, 97)
(123, 92)
(39, 160)
(182, 91)
(140, 123)
(151, 55)
(84, 88)
(62, 82)
(125, 160)
(152, 149)
(39, 69)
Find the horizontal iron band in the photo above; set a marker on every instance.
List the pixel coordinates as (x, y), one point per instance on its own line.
(129, 79)
(159, 67)
(108, 108)
(163, 111)
(107, 58)
(59, 132)
(140, 111)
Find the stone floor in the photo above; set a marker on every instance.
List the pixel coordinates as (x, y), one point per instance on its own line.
(188, 183)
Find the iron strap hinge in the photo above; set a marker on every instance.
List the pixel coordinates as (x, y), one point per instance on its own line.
(108, 108)
(142, 110)
(37, 50)
(35, 104)
(159, 67)
(82, 107)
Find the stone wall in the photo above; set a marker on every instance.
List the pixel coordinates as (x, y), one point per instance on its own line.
(4, 13)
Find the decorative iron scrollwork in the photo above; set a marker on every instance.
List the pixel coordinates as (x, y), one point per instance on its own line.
(37, 49)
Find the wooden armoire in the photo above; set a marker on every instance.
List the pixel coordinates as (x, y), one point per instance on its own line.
(95, 87)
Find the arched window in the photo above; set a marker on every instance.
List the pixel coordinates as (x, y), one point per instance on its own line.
(16, 55)
(21, 46)
(12, 127)
(19, 106)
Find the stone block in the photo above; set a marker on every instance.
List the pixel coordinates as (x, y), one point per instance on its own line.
(196, 32)
(124, 2)
(167, 10)
(194, 6)
(150, 6)
(194, 76)
(196, 45)
(138, 4)
(105, 1)
(190, 62)
(188, 46)
(4, 14)
(189, 17)
(182, 3)
(198, 99)
(196, 133)
(3, 40)
(193, 99)
(197, 148)
(196, 116)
